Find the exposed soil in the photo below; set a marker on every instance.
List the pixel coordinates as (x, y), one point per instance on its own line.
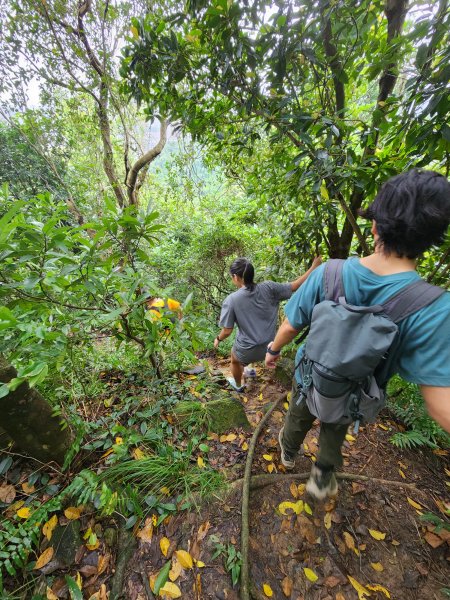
(335, 541)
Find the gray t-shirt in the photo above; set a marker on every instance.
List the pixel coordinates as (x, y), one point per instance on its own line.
(254, 312)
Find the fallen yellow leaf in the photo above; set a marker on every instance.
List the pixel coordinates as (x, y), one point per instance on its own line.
(165, 490)
(200, 462)
(260, 396)
(362, 591)
(402, 475)
(379, 588)
(48, 527)
(170, 590)
(176, 569)
(244, 446)
(294, 490)
(309, 573)
(267, 457)
(327, 520)
(44, 558)
(50, 595)
(377, 567)
(307, 508)
(23, 513)
(383, 426)
(107, 453)
(350, 438)
(301, 488)
(185, 559)
(138, 454)
(414, 504)
(164, 544)
(267, 590)
(297, 507)
(286, 405)
(119, 441)
(199, 563)
(378, 535)
(271, 468)
(72, 513)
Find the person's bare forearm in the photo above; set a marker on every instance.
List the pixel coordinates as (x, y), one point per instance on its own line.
(223, 334)
(300, 280)
(437, 400)
(285, 334)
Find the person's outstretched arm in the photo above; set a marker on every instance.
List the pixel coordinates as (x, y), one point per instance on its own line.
(298, 282)
(437, 400)
(285, 334)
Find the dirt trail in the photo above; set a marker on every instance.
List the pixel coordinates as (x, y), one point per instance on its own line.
(371, 536)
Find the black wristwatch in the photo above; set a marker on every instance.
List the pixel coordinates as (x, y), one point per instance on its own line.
(272, 352)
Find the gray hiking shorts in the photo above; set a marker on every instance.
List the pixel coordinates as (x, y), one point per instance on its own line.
(250, 355)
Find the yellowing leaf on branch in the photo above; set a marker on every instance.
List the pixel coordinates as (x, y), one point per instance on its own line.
(164, 544)
(361, 590)
(48, 527)
(44, 558)
(377, 567)
(73, 513)
(173, 304)
(414, 504)
(170, 590)
(379, 588)
(310, 575)
(267, 590)
(185, 559)
(377, 535)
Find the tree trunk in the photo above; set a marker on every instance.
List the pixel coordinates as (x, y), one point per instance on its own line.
(27, 418)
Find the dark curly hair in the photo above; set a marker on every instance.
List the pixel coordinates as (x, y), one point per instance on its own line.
(242, 267)
(411, 212)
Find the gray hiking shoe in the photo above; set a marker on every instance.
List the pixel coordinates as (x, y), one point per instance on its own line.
(287, 460)
(322, 483)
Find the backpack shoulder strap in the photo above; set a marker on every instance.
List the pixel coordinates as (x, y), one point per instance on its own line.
(410, 299)
(333, 285)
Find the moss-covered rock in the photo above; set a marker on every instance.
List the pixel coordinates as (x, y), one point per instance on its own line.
(226, 413)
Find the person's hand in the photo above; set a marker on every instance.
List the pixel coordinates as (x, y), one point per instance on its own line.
(271, 360)
(316, 262)
(216, 343)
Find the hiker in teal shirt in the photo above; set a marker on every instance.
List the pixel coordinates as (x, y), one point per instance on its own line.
(410, 214)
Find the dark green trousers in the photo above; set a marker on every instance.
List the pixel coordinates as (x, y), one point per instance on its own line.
(299, 421)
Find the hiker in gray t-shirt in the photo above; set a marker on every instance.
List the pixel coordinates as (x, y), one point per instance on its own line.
(254, 309)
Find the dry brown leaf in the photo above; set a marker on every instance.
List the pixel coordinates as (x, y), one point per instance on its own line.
(286, 586)
(175, 570)
(50, 595)
(102, 564)
(349, 541)
(7, 493)
(146, 534)
(294, 490)
(203, 530)
(340, 596)
(434, 540)
(332, 581)
(44, 558)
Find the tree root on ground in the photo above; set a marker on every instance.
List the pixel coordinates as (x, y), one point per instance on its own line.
(245, 584)
(260, 481)
(125, 547)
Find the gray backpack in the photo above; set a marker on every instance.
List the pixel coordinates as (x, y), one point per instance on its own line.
(347, 343)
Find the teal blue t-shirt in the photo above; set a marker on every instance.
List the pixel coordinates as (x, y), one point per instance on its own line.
(421, 351)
